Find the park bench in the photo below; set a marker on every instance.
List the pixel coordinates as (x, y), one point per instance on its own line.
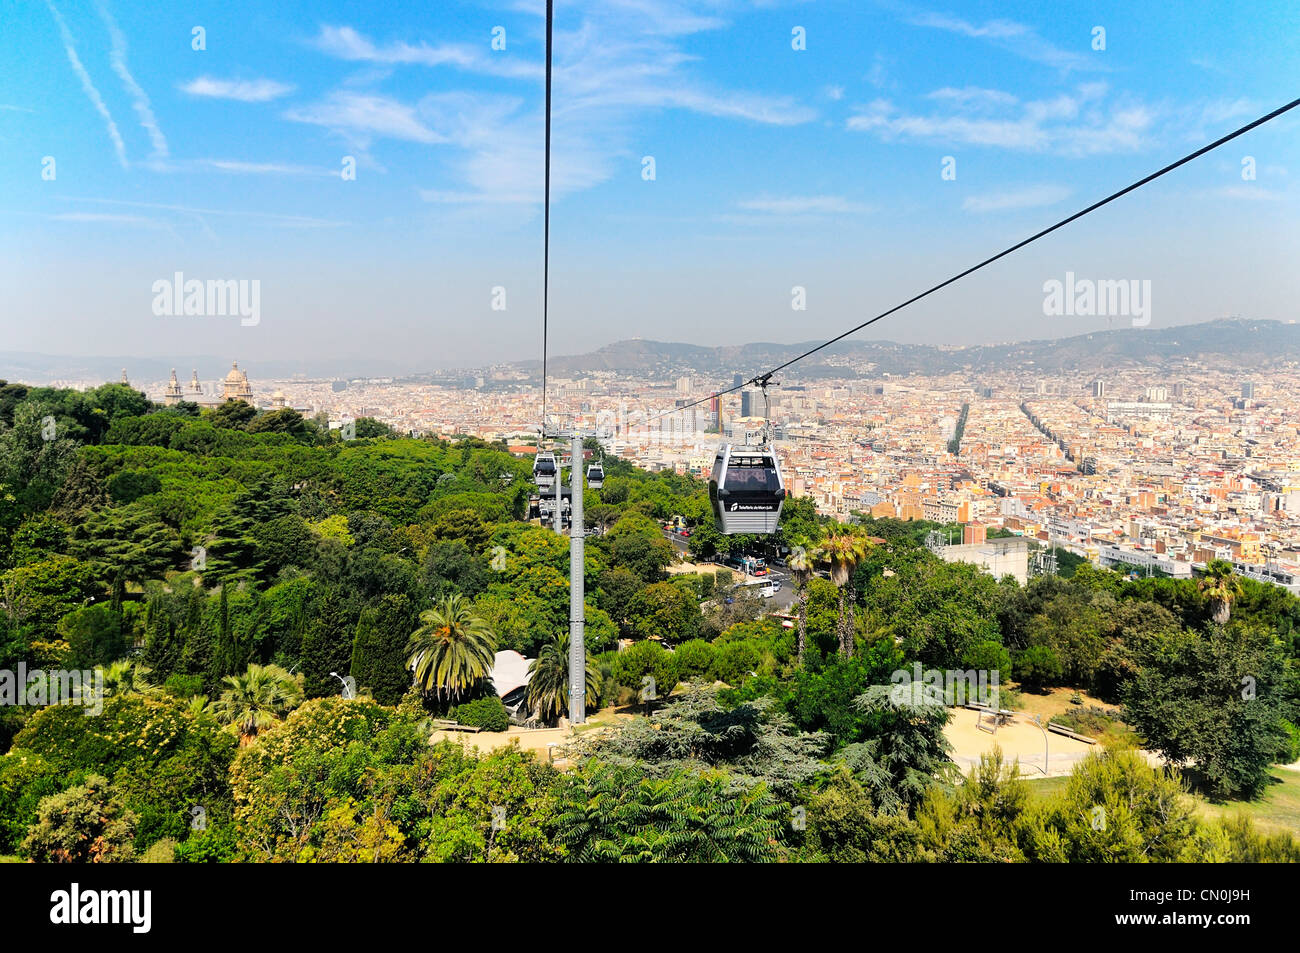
(1052, 726)
(445, 724)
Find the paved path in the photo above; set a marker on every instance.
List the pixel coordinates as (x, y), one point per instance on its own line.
(1021, 742)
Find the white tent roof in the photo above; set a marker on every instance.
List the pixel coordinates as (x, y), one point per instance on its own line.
(509, 671)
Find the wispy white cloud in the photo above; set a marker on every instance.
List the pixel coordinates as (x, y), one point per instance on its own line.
(1249, 193)
(345, 43)
(271, 218)
(92, 93)
(139, 99)
(111, 218)
(878, 75)
(265, 168)
(498, 158)
(803, 205)
(1016, 38)
(1211, 118)
(974, 97)
(1032, 196)
(360, 117)
(614, 64)
(1080, 123)
(244, 91)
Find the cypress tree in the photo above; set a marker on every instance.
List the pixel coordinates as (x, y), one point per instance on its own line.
(230, 657)
(164, 646)
(327, 646)
(379, 649)
(198, 654)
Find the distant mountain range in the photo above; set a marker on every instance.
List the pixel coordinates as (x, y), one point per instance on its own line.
(1240, 342)
(1256, 344)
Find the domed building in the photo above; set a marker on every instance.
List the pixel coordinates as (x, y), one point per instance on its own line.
(236, 386)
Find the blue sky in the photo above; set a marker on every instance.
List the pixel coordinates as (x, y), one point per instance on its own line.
(775, 167)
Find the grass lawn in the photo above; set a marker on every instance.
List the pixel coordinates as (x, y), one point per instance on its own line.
(1040, 788)
(1277, 811)
(10, 859)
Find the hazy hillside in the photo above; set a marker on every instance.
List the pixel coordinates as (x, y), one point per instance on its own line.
(1239, 341)
(1253, 344)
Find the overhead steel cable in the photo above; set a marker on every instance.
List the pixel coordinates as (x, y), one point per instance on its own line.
(546, 212)
(763, 379)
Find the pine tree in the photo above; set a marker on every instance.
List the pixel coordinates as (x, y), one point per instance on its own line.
(233, 552)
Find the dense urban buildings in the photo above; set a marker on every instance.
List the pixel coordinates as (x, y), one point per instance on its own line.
(1155, 469)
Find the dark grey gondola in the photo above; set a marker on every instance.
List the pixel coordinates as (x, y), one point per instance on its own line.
(746, 490)
(595, 476)
(544, 469)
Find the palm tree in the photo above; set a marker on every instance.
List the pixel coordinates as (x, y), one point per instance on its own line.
(452, 649)
(127, 677)
(548, 679)
(255, 700)
(844, 548)
(801, 566)
(1221, 586)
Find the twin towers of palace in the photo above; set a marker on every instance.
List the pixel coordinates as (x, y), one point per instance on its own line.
(234, 387)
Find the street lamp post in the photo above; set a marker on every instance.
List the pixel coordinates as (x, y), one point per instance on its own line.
(1038, 720)
(347, 689)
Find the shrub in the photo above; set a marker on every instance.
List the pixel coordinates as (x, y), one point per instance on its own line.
(612, 813)
(281, 783)
(25, 778)
(733, 662)
(183, 686)
(644, 659)
(1038, 667)
(216, 845)
(1104, 724)
(11, 722)
(489, 714)
(161, 757)
(988, 656)
(85, 824)
(1290, 752)
(694, 659)
(1117, 809)
(160, 852)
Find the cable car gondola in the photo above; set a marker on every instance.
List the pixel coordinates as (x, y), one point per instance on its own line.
(745, 485)
(544, 469)
(746, 490)
(595, 476)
